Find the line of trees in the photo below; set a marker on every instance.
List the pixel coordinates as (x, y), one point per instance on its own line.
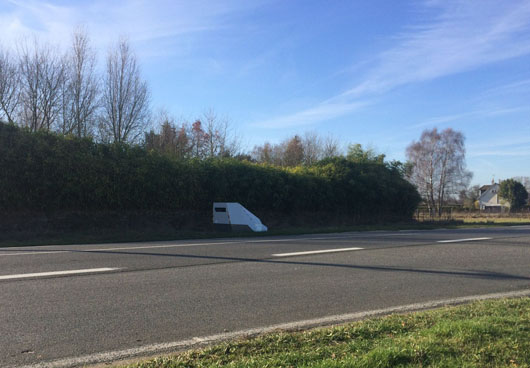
(297, 150)
(207, 137)
(43, 88)
(211, 136)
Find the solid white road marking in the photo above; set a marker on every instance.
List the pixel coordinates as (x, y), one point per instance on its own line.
(148, 350)
(152, 247)
(56, 273)
(32, 253)
(462, 240)
(108, 249)
(315, 252)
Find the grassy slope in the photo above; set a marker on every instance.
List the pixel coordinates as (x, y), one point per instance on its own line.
(484, 334)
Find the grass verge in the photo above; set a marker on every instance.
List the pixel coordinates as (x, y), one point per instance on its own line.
(494, 333)
(497, 220)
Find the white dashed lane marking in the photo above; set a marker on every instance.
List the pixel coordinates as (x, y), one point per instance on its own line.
(56, 273)
(462, 240)
(315, 252)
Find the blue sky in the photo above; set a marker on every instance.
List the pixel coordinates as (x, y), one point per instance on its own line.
(369, 72)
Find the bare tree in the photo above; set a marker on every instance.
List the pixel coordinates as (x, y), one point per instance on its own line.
(272, 154)
(279, 153)
(9, 87)
(220, 138)
(182, 142)
(125, 99)
(80, 88)
(215, 133)
(438, 171)
(31, 80)
(64, 123)
(330, 147)
(199, 139)
(263, 154)
(42, 73)
(312, 148)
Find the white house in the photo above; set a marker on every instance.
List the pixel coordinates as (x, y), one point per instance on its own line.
(489, 199)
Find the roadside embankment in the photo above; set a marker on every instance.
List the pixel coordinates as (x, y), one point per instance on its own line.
(492, 333)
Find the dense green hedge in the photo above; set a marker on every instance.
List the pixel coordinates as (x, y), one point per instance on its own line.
(47, 172)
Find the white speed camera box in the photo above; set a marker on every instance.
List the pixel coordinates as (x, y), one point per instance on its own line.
(233, 216)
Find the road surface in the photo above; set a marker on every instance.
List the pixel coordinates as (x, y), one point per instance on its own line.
(59, 302)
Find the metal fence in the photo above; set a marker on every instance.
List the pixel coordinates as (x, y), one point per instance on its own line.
(453, 213)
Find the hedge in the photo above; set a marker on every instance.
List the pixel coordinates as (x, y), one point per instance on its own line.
(48, 172)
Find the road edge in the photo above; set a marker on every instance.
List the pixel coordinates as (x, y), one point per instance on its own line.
(146, 351)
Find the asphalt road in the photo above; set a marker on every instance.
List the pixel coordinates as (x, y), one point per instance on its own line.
(58, 302)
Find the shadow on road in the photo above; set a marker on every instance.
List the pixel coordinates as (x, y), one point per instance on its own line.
(221, 259)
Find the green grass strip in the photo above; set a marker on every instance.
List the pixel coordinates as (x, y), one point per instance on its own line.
(494, 333)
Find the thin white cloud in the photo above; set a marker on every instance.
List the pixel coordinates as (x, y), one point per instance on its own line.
(508, 146)
(517, 87)
(43, 20)
(471, 114)
(321, 112)
(466, 35)
(444, 119)
(521, 141)
(145, 22)
(521, 152)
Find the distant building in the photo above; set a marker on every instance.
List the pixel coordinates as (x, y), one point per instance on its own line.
(489, 199)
